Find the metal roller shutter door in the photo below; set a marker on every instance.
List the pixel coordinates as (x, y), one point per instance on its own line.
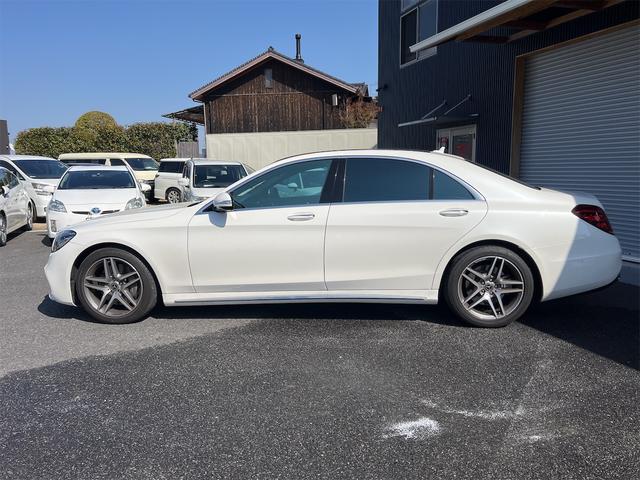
(581, 125)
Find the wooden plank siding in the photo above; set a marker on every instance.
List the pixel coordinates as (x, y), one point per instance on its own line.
(296, 101)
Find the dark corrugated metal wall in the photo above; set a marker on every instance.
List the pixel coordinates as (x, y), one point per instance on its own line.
(483, 70)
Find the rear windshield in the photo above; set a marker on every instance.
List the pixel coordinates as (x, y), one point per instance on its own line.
(171, 167)
(96, 179)
(41, 168)
(142, 164)
(217, 176)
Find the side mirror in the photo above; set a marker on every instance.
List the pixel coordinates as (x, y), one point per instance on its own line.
(222, 202)
(183, 181)
(145, 187)
(5, 190)
(293, 186)
(49, 189)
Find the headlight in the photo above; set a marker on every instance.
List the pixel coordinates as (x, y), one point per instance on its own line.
(40, 188)
(56, 206)
(134, 203)
(62, 238)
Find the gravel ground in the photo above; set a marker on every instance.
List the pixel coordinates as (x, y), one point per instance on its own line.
(314, 391)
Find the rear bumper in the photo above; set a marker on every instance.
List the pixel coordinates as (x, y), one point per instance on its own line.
(584, 267)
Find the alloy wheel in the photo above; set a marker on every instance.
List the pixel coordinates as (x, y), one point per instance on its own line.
(3, 230)
(173, 196)
(112, 286)
(491, 288)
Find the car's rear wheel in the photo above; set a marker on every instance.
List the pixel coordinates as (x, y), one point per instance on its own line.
(115, 286)
(31, 211)
(174, 195)
(489, 286)
(3, 230)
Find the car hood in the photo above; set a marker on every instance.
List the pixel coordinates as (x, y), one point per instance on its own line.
(96, 197)
(207, 192)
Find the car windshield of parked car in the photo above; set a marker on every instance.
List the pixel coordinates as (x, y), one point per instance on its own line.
(96, 179)
(142, 164)
(41, 168)
(216, 176)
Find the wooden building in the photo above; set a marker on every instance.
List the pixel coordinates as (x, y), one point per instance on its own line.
(271, 93)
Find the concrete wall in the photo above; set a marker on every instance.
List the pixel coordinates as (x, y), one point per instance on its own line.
(260, 149)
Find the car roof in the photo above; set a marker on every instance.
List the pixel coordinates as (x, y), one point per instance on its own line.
(76, 168)
(24, 157)
(99, 155)
(175, 159)
(210, 161)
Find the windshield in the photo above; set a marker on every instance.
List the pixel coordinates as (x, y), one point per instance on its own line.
(96, 179)
(41, 168)
(142, 164)
(217, 176)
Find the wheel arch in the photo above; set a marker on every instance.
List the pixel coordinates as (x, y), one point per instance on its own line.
(535, 270)
(89, 250)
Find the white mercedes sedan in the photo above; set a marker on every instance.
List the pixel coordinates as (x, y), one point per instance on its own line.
(350, 226)
(89, 191)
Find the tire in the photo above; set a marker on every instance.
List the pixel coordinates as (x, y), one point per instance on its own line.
(125, 297)
(30, 216)
(3, 230)
(489, 286)
(173, 195)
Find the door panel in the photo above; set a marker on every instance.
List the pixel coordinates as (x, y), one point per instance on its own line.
(396, 245)
(248, 250)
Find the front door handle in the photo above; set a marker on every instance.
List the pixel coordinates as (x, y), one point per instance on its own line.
(454, 212)
(301, 217)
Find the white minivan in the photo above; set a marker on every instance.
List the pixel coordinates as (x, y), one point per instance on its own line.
(143, 166)
(166, 183)
(36, 174)
(204, 178)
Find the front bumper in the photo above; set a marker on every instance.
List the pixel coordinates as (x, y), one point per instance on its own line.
(41, 202)
(58, 221)
(58, 273)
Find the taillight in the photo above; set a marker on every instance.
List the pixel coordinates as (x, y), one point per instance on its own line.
(593, 215)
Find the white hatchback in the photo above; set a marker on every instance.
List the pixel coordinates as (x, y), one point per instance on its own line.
(346, 226)
(88, 192)
(15, 211)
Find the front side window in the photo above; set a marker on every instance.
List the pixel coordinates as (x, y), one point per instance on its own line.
(96, 180)
(142, 164)
(10, 167)
(216, 176)
(417, 24)
(385, 180)
(42, 168)
(171, 167)
(13, 180)
(290, 185)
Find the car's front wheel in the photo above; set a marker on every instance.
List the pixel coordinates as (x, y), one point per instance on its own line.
(3, 230)
(115, 286)
(489, 286)
(174, 195)
(31, 213)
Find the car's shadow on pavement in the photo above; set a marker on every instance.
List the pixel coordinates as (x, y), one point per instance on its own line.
(606, 323)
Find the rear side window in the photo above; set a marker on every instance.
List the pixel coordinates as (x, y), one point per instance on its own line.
(76, 161)
(385, 180)
(171, 167)
(116, 162)
(446, 188)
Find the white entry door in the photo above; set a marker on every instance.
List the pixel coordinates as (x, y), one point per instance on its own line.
(460, 141)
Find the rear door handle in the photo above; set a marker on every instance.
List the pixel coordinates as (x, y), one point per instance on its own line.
(301, 217)
(454, 212)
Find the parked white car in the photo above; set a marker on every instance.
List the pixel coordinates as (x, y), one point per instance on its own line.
(15, 211)
(166, 185)
(36, 174)
(203, 178)
(144, 167)
(88, 192)
(350, 226)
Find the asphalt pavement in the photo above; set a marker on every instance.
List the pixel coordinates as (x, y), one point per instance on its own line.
(314, 391)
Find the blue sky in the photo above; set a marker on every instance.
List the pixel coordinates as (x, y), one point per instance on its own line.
(138, 59)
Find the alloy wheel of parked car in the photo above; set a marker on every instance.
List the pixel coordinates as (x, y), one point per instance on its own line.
(30, 215)
(174, 196)
(115, 286)
(3, 231)
(490, 286)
